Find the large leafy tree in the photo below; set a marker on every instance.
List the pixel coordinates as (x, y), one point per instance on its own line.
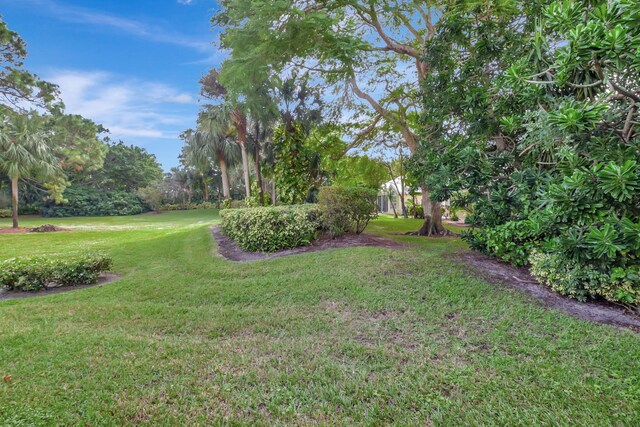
(545, 152)
(78, 144)
(126, 168)
(25, 152)
(369, 50)
(20, 88)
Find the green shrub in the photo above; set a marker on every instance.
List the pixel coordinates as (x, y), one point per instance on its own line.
(5, 213)
(269, 229)
(512, 241)
(582, 281)
(454, 217)
(233, 204)
(347, 209)
(36, 273)
(415, 209)
(87, 201)
(187, 206)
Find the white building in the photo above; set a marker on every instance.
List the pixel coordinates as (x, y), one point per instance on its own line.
(390, 194)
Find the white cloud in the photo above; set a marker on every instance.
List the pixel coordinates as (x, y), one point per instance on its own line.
(186, 2)
(129, 108)
(153, 32)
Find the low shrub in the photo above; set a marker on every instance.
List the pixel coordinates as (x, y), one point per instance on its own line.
(415, 210)
(5, 213)
(86, 201)
(347, 209)
(269, 229)
(582, 281)
(37, 273)
(233, 204)
(187, 206)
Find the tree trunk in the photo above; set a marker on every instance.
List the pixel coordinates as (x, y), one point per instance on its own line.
(273, 193)
(256, 162)
(205, 188)
(240, 123)
(432, 224)
(245, 169)
(14, 201)
(225, 179)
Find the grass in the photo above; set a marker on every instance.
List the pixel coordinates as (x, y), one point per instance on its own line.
(341, 337)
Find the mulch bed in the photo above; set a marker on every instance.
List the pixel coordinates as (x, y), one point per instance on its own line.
(46, 228)
(103, 280)
(231, 251)
(13, 230)
(498, 272)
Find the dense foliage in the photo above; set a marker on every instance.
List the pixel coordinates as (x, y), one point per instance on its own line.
(269, 229)
(37, 273)
(91, 201)
(542, 147)
(347, 209)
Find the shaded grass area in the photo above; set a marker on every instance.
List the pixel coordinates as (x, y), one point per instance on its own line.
(346, 336)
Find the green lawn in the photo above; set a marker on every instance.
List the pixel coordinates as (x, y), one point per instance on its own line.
(341, 337)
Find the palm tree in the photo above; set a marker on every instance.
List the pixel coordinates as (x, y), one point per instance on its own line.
(25, 152)
(212, 142)
(239, 120)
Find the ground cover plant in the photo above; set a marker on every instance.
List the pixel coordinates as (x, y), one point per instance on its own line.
(355, 336)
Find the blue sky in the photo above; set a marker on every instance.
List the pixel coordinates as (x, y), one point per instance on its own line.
(131, 65)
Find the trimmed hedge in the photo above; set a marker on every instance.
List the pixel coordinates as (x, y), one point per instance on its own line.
(269, 229)
(5, 213)
(347, 209)
(36, 273)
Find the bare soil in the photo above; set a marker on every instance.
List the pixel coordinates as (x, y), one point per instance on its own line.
(103, 280)
(231, 251)
(5, 230)
(498, 272)
(47, 228)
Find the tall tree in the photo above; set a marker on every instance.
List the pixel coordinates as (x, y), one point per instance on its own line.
(212, 142)
(19, 87)
(25, 151)
(371, 49)
(126, 168)
(211, 88)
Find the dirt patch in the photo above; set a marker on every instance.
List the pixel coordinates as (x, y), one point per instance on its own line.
(498, 272)
(102, 280)
(231, 251)
(13, 230)
(47, 228)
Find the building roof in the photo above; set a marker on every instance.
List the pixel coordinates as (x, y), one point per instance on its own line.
(398, 185)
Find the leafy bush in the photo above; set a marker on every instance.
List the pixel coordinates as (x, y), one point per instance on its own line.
(347, 209)
(512, 241)
(86, 201)
(37, 273)
(580, 281)
(5, 213)
(415, 209)
(151, 195)
(551, 169)
(187, 206)
(233, 204)
(269, 229)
